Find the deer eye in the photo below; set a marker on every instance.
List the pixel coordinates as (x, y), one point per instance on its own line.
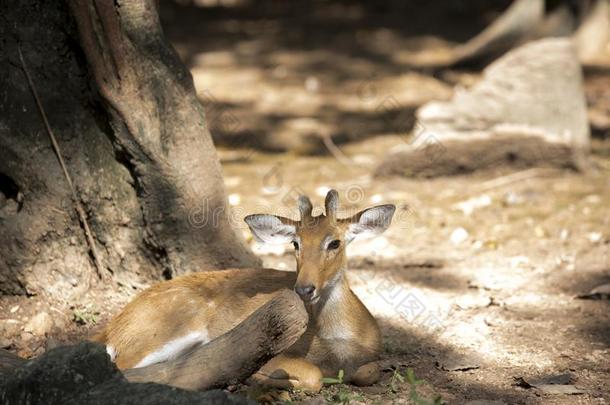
(295, 244)
(334, 244)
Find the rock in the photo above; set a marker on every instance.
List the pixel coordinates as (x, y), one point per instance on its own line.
(558, 384)
(84, 374)
(154, 394)
(473, 204)
(459, 235)
(459, 362)
(10, 328)
(601, 292)
(594, 237)
(4, 342)
(528, 110)
(40, 324)
(473, 301)
(553, 389)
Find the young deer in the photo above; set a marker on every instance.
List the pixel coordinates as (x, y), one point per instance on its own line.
(173, 316)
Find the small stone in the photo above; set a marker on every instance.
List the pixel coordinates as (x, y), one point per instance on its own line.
(593, 199)
(10, 327)
(472, 204)
(312, 84)
(40, 325)
(125, 220)
(594, 237)
(473, 301)
(512, 198)
(4, 342)
(458, 236)
(25, 337)
(556, 389)
(234, 199)
(519, 261)
(459, 362)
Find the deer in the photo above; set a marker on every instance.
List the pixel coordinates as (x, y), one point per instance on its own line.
(173, 316)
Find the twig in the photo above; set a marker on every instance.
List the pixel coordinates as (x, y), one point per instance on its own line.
(77, 205)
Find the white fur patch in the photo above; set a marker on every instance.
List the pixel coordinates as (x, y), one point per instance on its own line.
(111, 352)
(339, 329)
(173, 348)
(372, 222)
(270, 229)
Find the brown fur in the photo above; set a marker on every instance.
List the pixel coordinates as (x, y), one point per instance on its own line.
(173, 308)
(341, 334)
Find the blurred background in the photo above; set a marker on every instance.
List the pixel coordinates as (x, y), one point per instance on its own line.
(486, 122)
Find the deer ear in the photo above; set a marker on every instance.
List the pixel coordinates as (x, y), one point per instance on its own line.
(370, 222)
(271, 229)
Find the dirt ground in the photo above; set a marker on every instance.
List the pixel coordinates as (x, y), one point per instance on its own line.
(475, 283)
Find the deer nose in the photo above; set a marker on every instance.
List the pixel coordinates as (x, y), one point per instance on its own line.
(305, 292)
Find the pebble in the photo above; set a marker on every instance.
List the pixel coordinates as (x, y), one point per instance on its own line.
(234, 199)
(312, 84)
(594, 237)
(472, 204)
(458, 236)
(40, 324)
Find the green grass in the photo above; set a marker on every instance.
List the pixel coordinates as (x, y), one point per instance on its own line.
(398, 380)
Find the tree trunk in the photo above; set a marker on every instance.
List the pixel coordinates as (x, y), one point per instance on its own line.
(135, 142)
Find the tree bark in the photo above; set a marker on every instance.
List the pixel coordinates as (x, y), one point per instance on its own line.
(237, 354)
(134, 139)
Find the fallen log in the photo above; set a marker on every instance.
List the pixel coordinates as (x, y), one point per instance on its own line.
(237, 354)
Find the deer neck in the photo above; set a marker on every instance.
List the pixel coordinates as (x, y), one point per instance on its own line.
(335, 302)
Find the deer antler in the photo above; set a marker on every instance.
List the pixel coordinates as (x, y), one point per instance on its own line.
(331, 204)
(305, 207)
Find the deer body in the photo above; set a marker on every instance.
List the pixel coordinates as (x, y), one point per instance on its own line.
(173, 316)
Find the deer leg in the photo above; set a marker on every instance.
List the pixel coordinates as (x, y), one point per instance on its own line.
(366, 374)
(289, 372)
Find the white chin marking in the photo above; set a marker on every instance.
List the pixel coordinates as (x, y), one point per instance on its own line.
(173, 348)
(111, 352)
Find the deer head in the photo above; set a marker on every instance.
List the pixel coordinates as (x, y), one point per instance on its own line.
(319, 242)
